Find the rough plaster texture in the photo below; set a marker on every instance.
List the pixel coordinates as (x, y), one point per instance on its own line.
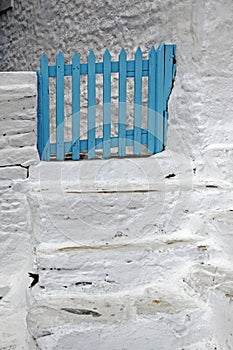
(131, 259)
(127, 258)
(18, 104)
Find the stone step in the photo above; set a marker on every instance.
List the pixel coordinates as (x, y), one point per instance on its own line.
(116, 267)
(143, 322)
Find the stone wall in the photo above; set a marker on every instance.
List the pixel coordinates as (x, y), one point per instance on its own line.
(18, 106)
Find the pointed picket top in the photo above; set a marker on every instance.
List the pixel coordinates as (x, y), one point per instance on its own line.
(91, 56)
(76, 61)
(43, 61)
(122, 54)
(107, 54)
(44, 57)
(76, 57)
(152, 52)
(60, 57)
(138, 53)
(161, 46)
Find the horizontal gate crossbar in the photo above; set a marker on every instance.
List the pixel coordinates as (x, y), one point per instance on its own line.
(99, 142)
(130, 69)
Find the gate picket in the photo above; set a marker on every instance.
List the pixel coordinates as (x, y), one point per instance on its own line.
(60, 107)
(45, 108)
(91, 105)
(107, 105)
(137, 101)
(151, 101)
(76, 107)
(122, 104)
(159, 96)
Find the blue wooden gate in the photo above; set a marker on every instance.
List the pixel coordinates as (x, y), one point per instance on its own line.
(159, 68)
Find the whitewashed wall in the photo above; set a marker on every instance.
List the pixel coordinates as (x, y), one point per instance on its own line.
(127, 258)
(18, 106)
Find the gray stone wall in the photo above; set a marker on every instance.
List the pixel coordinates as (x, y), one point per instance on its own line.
(32, 27)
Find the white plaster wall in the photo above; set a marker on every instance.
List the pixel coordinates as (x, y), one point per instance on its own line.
(127, 258)
(18, 106)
